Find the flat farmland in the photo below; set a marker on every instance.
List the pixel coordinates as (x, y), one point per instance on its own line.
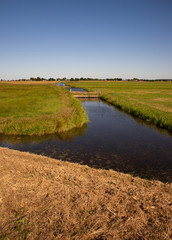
(28, 108)
(150, 101)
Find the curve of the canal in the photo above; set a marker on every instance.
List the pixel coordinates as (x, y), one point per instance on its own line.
(111, 140)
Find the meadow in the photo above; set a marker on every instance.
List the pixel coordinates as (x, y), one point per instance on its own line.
(38, 108)
(150, 101)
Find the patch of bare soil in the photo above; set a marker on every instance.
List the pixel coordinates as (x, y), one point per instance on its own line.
(42, 198)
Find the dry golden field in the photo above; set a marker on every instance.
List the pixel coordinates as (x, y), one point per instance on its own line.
(43, 198)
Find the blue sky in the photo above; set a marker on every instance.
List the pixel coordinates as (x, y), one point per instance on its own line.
(85, 38)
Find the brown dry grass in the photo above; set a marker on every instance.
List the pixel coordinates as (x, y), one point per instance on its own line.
(43, 198)
(30, 82)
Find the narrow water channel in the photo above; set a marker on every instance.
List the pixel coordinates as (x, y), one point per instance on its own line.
(111, 140)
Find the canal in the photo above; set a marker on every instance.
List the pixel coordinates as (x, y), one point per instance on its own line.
(111, 140)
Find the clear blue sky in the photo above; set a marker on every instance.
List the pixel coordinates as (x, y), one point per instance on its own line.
(85, 38)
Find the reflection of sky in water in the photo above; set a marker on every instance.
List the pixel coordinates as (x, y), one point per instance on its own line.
(111, 139)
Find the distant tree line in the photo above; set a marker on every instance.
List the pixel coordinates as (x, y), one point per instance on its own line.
(74, 79)
(149, 80)
(90, 79)
(97, 79)
(42, 79)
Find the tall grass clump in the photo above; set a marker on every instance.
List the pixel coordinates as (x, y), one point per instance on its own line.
(38, 109)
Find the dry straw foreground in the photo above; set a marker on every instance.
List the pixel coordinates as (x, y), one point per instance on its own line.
(42, 198)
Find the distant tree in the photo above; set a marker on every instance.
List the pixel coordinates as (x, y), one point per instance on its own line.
(35, 79)
(117, 79)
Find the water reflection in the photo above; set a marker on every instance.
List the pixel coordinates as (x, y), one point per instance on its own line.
(71, 134)
(64, 136)
(75, 89)
(111, 140)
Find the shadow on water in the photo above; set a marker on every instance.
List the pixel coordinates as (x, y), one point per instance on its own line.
(111, 140)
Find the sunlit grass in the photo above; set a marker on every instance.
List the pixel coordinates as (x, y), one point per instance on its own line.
(38, 109)
(150, 101)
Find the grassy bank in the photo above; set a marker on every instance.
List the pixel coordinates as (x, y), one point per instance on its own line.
(38, 108)
(42, 198)
(150, 101)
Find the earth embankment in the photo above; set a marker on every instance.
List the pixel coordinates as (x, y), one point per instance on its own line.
(43, 198)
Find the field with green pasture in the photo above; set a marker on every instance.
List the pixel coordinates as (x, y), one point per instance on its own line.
(38, 108)
(150, 101)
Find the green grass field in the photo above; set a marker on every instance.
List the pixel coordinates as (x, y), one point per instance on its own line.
(150, 101)
(38, 108)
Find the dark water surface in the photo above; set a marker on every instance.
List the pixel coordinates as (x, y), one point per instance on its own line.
(111, 140)
(75, 89)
